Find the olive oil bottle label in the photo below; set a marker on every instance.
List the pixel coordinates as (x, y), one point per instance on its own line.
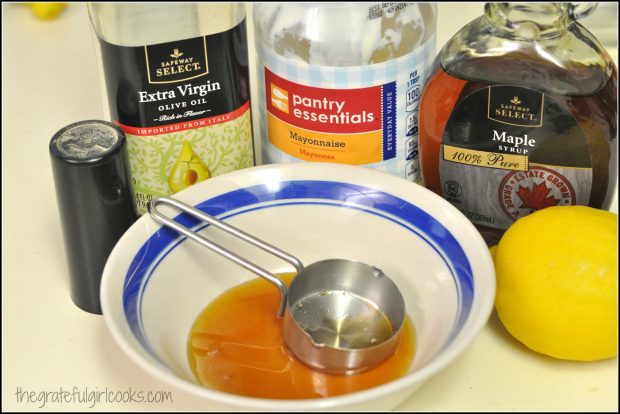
(184, 107)
(360, 115)
(508, 151)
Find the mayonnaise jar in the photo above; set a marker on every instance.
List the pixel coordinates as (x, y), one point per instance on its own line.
(341, 82)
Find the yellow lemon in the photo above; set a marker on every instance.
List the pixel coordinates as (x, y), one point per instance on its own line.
(557, 282)
(47, 11)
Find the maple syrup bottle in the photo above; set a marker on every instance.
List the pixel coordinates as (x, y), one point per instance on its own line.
(519, 114)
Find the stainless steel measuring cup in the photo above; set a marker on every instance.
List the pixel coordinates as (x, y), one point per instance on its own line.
(340, 316)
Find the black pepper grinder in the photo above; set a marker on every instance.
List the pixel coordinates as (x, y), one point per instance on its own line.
(93, 189)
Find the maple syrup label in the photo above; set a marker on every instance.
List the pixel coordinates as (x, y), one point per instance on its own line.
(537, 188)
(512, 107)
(508, 151)
(184, 107)
(485, 159)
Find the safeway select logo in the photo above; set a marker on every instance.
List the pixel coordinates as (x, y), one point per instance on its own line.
(176, 61)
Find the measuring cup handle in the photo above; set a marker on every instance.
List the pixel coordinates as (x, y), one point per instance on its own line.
(159, 217)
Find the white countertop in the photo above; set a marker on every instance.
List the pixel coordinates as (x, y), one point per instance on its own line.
(49, 80)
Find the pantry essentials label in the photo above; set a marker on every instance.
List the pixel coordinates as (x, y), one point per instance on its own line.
(184, 107)
(350, 126)
(508, 143)
(363, 115)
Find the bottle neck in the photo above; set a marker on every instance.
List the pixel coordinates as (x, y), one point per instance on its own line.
(529, 21)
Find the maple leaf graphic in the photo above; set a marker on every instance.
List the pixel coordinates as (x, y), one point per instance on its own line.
(536, 199)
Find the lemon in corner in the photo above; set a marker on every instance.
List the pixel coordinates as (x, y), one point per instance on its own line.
(557, 282)
(47, 11)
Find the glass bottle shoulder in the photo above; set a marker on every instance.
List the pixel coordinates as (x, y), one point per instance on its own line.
(343, 34)
(139, 24)
(571, 63)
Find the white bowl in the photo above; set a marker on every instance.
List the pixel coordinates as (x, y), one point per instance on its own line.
(155, 282)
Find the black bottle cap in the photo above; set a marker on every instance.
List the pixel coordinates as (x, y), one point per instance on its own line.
(91, 173)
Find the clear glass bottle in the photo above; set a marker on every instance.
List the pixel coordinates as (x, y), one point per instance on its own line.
(175, 79)
(520, 114)
(341, 82)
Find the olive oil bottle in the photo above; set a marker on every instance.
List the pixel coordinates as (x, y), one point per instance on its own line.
(175, 80)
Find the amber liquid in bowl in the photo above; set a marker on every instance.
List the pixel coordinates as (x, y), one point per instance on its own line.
(236, 346)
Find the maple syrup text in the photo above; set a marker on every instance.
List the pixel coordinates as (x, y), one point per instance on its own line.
(514, 140)
(498, 160)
